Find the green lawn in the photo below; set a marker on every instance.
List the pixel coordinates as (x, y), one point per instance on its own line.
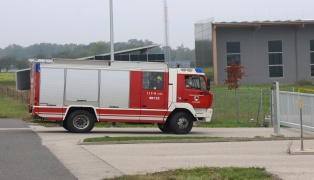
(7, 79)
(146, 138)
(205, 173)
(10, 108)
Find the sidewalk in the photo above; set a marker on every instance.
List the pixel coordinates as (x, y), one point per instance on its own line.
(110, 160)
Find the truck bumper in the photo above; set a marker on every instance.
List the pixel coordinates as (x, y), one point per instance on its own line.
(209, 113)
(204, 115)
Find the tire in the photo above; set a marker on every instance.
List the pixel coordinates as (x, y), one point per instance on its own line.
(65, 125)
(181, 123)
(164, 127)
(81, 121)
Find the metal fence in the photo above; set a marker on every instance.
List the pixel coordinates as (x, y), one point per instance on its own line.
(290, 109)
(22, 96)
(248, 106)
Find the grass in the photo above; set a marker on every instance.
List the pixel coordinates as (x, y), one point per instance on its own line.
(7, 79)
(204, 173)
(10, 108)
(146, 138)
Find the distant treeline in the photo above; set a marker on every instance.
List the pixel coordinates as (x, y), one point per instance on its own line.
(16, 57)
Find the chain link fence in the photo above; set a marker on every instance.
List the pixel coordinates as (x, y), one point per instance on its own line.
(246, 106)
(22, 96)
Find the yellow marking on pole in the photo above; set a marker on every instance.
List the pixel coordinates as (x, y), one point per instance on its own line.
(300, 103)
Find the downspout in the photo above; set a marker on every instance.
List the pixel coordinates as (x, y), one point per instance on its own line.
(215, 55)
(296, 54)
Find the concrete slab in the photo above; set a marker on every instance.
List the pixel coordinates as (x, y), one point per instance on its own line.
(110, 160)
(302, 152)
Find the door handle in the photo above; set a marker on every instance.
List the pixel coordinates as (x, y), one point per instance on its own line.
(185, 99)
(144, 106)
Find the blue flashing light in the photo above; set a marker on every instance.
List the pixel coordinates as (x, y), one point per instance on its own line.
(37, 67)
(199, 70)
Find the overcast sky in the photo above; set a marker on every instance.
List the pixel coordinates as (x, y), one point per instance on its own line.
(27, 22)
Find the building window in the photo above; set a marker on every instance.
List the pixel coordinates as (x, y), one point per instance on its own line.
(233, 53)
(312, 56)
(275, 59)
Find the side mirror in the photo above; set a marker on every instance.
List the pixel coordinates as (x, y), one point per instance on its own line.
(208, 83)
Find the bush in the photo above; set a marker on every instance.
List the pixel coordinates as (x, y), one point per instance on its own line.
(304, 82)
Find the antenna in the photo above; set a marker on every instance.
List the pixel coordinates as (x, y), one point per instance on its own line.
(166, 47)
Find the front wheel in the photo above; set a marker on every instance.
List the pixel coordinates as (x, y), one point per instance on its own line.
(65, 125)
(80, 121)
(164, 127)
(181, 123)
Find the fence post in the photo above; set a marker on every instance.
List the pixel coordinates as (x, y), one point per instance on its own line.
(271, 107)
(276, 109)
(226, 104)
(301, 122)
(215, 96)
(237, 99)
(261, 108)
(249, 108)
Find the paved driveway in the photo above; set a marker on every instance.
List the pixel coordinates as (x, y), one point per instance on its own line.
(99, 161)
(22, 155)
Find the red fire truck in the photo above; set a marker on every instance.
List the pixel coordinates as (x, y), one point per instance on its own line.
(81, 94)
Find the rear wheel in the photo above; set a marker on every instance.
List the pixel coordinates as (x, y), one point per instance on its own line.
(80, 121)
(181, 123)
(164, 127)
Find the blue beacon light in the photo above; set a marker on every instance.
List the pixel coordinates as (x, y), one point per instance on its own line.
(199, 70)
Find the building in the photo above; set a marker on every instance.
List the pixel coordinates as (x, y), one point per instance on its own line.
(270, 51)
(135, 54)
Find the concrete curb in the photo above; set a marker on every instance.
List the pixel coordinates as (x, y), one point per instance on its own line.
(302, 152)
(193, 140)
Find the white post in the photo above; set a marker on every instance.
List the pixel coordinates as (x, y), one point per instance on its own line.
(276, 109)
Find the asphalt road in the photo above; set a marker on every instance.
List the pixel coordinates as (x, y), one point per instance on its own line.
(110, 160)
(38, 152)
(22, 155)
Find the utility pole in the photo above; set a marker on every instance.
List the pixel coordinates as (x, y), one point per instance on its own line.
(111, 33)
(166, 46)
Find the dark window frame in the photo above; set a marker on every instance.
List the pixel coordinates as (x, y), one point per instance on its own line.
(233, 52)
(275, 59)
(312, 57)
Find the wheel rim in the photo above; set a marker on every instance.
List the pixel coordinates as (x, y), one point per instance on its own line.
(183, 123)
(81, 122)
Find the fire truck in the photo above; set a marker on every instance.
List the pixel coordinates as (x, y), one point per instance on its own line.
(82, 93)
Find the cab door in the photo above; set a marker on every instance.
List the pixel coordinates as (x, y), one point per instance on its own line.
(154, 97)
(194, 91)
(153, 93)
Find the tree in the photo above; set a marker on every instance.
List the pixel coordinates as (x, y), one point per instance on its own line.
(235, 73)
(183, 53)
(22, 64)
(7, 62)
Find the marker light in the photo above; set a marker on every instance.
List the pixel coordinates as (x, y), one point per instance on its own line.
(37, 67)
(199, 70)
